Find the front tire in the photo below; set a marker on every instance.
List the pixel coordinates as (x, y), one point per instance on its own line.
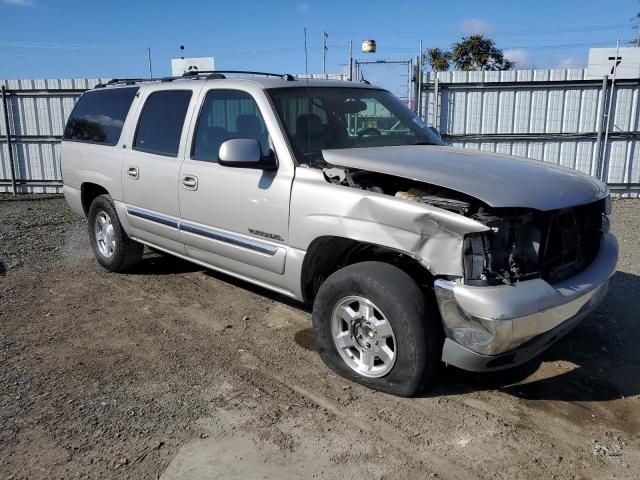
(374, 326)
(113, 249)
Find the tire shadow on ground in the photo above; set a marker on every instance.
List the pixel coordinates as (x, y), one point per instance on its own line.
(157, 263)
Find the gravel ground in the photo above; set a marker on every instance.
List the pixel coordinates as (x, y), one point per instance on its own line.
(175, 372)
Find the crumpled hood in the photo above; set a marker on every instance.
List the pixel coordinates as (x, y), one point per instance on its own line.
(495, 179)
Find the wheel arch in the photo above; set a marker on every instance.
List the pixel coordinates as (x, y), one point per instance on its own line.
(88, 192)
(327, 254)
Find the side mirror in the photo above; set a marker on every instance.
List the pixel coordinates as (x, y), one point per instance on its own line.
(245, 153)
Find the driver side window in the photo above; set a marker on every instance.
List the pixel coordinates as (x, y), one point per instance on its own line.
(227, 114)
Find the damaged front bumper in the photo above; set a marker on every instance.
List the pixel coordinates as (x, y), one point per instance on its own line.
(497, 327)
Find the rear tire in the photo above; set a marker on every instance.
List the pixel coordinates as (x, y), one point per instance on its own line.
(373, 309)
(113, 249)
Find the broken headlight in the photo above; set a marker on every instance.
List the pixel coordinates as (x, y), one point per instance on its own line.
(508, 252)
(474, 257)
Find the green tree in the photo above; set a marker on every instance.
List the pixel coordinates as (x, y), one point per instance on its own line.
(477, 52)
(439, 59)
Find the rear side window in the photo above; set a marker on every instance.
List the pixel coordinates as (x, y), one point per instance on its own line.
(99, 115)
(161, 121)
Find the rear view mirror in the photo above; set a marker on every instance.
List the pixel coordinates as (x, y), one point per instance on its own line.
(353, 106)
(245, 153)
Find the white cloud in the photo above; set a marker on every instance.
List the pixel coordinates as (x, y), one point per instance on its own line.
(18, 3)
(521, 57)
(571, 62)
(303, 7)
(472, 26)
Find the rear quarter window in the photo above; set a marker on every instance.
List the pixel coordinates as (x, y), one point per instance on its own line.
(99, 116)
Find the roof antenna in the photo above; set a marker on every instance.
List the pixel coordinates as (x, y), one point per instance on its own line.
(306, 57)
(306, 74)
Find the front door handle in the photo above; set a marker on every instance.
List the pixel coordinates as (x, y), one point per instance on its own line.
(132, 172)
(189, 182)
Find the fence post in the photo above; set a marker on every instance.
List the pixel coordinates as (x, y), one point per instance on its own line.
(416, 85)
(436, 103)
(596, 169)
(350, 60)
(7, 125)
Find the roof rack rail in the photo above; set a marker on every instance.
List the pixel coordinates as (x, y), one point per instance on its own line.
(212, 74)
(133, 81)
(208, 74)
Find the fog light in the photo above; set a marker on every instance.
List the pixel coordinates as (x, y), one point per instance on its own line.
(470, 337)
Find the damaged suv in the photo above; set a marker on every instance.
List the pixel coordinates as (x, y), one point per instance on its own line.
(335, 193)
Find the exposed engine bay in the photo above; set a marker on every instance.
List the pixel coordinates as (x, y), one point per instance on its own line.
(521, 244)
(401, 188)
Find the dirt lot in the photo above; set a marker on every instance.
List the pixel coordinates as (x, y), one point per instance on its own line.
(174, 372)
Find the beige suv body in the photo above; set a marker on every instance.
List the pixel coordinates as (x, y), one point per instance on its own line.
(334, 192)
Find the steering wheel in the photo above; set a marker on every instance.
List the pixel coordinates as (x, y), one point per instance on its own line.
(371, 131)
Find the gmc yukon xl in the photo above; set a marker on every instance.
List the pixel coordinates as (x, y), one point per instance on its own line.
(335, 193)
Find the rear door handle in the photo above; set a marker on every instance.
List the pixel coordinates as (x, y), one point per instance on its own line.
(189, 182)
(132, 172)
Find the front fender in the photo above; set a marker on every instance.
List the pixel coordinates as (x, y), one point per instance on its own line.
(431, 235)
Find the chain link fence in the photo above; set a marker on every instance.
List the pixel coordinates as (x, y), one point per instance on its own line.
(393, 75)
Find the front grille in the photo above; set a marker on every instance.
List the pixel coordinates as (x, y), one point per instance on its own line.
(570, 241)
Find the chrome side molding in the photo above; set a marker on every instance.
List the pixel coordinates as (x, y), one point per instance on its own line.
(212, 233)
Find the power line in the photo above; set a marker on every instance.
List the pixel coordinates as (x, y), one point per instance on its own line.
(561, 45)
(506, 33)
(593, 28)
(530, 47)
(63, 46)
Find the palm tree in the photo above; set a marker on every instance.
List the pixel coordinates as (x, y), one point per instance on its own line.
(438, 59)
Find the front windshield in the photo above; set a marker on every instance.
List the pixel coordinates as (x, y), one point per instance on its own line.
(322, 118)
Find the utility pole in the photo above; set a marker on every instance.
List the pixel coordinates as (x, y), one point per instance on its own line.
(419, 82)
(351, 60)
(325, 36)
(149, 62)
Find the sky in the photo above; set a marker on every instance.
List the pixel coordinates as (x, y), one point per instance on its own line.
(76, 39)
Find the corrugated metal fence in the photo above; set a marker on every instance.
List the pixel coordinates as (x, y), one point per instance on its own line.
(36, 111)
(557, 116)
